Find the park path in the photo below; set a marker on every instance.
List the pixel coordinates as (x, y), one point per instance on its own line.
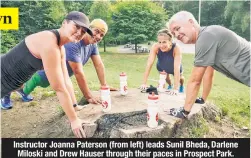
(185, 48)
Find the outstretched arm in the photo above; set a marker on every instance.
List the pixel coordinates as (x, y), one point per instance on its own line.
(150, 62)
(53, 69)
(100, 69)
(207, 82)
(77, 69)
(67, 79)
(193, 86)
(52, 62)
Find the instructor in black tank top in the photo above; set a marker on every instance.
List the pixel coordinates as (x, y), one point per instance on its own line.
(43, 50)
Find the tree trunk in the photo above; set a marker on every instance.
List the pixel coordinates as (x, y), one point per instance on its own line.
(136, 50)
(104, 46)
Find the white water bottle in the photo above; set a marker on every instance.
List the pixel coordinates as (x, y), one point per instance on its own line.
(162, 81)
(123, 83)
(105, 98)
(152, 111)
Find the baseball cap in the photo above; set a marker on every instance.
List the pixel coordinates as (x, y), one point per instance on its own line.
(81, 19)
(100, 24)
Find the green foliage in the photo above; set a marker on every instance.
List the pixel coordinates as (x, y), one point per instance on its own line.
(198, 128)
(212, 12)
(121, 38)
(128, 21)
(60, 110)
(234, 15)
(173, 7)
(102, 10)
(225, 111)
(82, 6)
(33, 103)
(238, 15)
(217, 119)
(56, 11)
(48, 94)
(34, 16)
(138, 21)
(7, 41)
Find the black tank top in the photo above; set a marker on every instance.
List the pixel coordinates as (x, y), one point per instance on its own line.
(57, 35)
(166, 60)
(18, 66)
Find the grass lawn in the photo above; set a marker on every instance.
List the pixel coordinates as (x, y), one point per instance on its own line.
(232, 97)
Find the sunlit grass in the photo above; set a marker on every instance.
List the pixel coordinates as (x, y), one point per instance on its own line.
(232, 97)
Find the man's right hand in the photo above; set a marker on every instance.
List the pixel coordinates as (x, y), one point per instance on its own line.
(94, 100)
(77, 128)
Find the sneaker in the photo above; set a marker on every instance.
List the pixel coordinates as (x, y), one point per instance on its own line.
(199, 100)
(169, 87)
(181, 90)
(179, 112)
(25, 97)
(6, 102)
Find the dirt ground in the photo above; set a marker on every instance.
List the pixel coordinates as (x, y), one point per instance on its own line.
(25, 119)
(30, 119)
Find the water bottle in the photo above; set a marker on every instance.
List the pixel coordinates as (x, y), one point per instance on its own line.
(152, 111)
(105, 98)
(123, 83)
(162, 81)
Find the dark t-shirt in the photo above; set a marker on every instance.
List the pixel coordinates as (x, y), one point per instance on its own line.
(225, 51)
(79, 53)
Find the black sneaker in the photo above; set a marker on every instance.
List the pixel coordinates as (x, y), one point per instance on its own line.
(152, 89)
(199, 100)
(179, 112)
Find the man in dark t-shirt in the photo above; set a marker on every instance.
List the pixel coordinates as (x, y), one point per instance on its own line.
(215, 47)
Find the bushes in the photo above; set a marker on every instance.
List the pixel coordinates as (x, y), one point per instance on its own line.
(7, 41)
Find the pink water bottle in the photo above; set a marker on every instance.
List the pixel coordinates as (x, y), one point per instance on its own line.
(152, 111)
(105, 98)
(123, 83)
(162, 81)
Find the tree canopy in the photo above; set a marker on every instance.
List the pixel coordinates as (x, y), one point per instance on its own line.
(128, 21)
(137, 21)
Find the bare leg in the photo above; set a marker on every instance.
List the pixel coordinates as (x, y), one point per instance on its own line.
(168, 80)
(182, 79)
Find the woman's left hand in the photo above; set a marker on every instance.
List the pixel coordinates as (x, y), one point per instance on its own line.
(172, 92)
